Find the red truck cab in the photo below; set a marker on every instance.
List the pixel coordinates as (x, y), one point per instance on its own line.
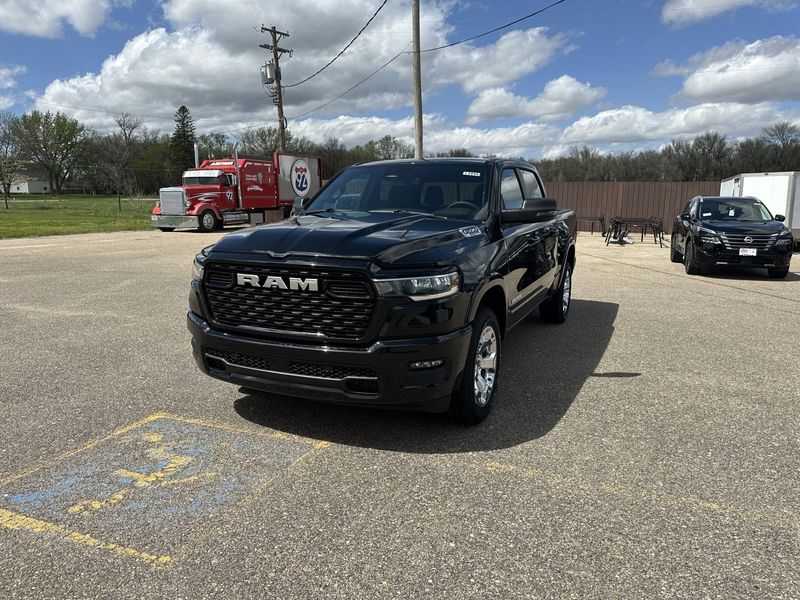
(230, 191)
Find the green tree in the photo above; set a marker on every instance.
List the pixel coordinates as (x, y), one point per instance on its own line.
(181, 144)
(214, 145)
(55, 142)
(11, 157)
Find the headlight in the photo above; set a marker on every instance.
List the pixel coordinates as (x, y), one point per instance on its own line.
(421, 288)
(784, 238)
(197, 265)
(708, 236)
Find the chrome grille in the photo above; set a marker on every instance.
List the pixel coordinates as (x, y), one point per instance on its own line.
(737, 240)
(172, 201)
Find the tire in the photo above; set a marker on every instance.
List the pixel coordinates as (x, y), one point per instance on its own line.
(689, 262)
(208, 222)
(556, 308)
(167, 229)
(674, 255)
(471, 401)
(778, 273)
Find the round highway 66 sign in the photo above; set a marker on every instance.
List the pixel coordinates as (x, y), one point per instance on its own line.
(301, 178)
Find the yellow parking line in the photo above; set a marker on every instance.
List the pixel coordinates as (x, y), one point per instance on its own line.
(277, 435)
(12, 520)
(664, 499)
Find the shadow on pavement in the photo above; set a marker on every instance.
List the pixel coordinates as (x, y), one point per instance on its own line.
(544, 368)
(746, 274)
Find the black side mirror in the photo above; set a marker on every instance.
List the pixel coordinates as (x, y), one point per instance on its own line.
(780, 218)
(533, 210)
(685, 217)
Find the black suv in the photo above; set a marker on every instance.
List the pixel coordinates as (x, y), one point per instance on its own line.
(715, 230)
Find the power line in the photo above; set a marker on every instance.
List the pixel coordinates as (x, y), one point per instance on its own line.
(375, 14)
(496, 29)
(375, 72)
(474, 37)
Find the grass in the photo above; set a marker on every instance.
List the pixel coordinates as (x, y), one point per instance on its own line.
(58, 215)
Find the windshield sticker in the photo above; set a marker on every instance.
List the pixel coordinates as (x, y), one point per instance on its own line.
(706, 214)
(471, 174)
(469, 232)
(732, 212)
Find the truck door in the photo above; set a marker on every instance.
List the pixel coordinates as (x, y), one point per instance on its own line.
(229, 192)
(530, 272)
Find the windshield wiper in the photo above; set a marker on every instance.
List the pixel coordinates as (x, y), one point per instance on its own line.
(327, 211)
(400, 211)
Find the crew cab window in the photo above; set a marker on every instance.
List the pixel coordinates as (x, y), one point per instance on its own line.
(531, 184)
(510, 192)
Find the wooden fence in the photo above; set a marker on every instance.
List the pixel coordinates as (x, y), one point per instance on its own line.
(640, 199)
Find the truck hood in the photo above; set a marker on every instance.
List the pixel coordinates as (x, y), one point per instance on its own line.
(745, 228)
(379, 237)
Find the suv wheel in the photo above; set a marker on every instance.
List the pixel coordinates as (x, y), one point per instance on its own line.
(472, 400)
(674, 254)
(779, 273)
(689, 261)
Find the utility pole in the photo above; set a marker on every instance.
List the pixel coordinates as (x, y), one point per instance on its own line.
(267, 78)
(417, 76)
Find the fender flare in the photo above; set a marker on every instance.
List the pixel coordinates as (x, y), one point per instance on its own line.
(199, 208)
(495, 280)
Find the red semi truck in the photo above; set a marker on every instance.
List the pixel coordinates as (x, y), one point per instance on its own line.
(228, 191)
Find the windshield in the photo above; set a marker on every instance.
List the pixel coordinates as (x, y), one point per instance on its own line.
(455, 190)
(733, 209)
(200, 181)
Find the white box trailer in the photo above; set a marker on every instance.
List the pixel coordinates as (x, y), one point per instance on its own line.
(780, 192)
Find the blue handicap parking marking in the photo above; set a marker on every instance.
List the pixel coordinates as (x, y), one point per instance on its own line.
(147, 484)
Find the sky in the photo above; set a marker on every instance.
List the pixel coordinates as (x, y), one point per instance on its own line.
(616, 75)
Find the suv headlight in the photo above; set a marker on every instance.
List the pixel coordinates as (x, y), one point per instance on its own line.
(784, 238)
(430, 287)
(708, 236)
(197, 264)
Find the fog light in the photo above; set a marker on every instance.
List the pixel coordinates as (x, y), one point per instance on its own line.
(426, 364)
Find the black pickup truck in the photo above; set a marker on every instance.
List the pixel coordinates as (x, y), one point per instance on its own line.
(393, 287)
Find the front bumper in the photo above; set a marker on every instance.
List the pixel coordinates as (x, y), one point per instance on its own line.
(773, 258)
(383, 379)
(174, 221)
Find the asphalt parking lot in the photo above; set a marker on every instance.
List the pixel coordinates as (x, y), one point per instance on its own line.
(649, 447)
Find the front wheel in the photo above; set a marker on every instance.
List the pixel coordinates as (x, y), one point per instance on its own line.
(689, 261)
(674, 254)
(778, 273)
(208, 222)
(556, 307)
(472, 400)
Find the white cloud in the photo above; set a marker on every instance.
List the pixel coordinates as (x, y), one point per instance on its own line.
(8, 76)
(8, 81)
(559, 100)
(756, 72)
(440, 134)
(45, 18)
(520, 53)
(685, 12)
(636, 124)
(210, 62)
